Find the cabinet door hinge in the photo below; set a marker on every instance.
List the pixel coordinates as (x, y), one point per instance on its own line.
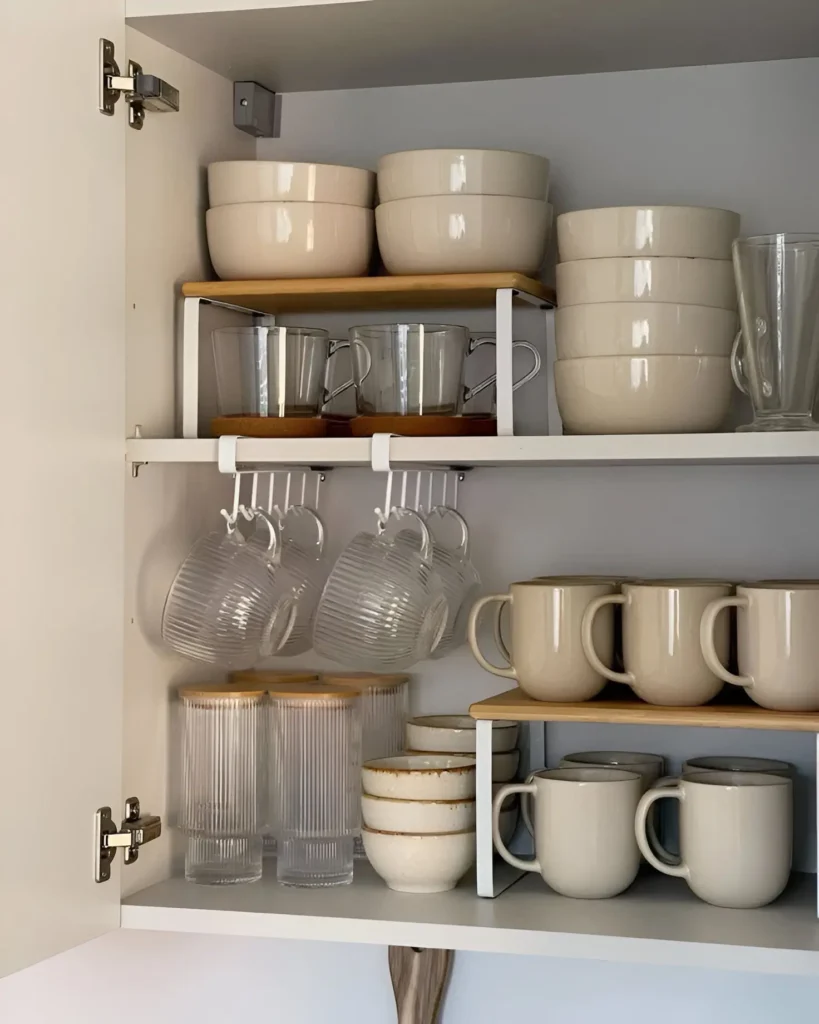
(135, 831)
(142, 92)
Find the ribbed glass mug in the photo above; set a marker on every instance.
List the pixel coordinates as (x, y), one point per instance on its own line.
(775, 360)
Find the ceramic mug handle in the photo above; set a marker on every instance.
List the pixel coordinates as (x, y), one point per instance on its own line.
(587, 639)
(472, 636)
(497, 803)
(647, 801)
(709, 650)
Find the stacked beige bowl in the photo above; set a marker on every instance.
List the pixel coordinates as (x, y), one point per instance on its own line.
(459, 211)
(275, 218)
(646, 319)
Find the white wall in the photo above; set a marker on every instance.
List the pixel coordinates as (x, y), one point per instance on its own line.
(743, 137)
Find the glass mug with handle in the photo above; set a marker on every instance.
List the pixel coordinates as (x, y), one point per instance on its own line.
(418, 369)
(547, 659)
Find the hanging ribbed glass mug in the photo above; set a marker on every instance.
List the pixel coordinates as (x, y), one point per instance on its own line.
(775, 360)
(418, 369)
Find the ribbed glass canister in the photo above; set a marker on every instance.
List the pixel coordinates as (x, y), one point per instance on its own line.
(316, 749)
(266, 679)
(223, 790)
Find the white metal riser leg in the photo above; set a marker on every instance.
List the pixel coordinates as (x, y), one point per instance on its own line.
(554, 422)
(817, 829)
(503, 361)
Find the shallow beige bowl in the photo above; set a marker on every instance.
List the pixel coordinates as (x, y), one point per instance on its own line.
(415, 776)
(265, 181)
(417, 816)
(699, 231)
(643, 395)
(268, 240)
(485, 172)
(643, 328)
(462, 234)
(655, 279)
(420, 863)
(504, 763)
(452, 733)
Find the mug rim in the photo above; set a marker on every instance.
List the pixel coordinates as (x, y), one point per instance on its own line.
(568, 581)
(781, 585)
(775, 764)
(581, 774)
(679, 584)
(638, 757)
(734, 779)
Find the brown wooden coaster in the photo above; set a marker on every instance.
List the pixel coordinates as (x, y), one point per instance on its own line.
(269, 426)
(338, 426)
(423, 426)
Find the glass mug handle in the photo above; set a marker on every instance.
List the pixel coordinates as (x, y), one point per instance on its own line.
(475, 343)
(336, 346)
(737, 369)
(310, 514)
(397, 512)
(441, 511)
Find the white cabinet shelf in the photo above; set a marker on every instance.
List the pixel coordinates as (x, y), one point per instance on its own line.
(297, 46)
(603, 450)
(658, 921)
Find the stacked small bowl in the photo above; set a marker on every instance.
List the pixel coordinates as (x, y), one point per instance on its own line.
(646, 319)
(458, 211)
(279, 219)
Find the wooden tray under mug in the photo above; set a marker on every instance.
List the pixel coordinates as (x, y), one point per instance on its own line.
(424, 426)
(269, 426)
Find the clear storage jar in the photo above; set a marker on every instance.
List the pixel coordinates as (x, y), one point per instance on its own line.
(316, 748)
(223, 782)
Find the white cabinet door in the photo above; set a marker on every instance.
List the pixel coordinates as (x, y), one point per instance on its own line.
(62, 420)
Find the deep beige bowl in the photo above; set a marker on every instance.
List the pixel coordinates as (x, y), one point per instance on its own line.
(699, 231)
(462, 234)
(643, 395)
(420, 777)
(654, 279)
(484, 172)
(417, 816)
(643, 328)
(266, 181)
(268, 240)
(420, 863)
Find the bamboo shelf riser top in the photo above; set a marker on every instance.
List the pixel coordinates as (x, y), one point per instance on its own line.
(726, 712)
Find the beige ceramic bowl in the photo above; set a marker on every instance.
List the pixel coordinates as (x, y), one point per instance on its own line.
(647, 231)
(420, 777)
(504, 763)
(417, 816)
(643, 395)
(656, 279)
(462, 234)
(452, 733)
(484, 172)
(265, 181)
(420, 863)
(268, 240)
(643, 329)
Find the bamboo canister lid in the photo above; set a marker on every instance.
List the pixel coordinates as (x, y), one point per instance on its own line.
(312, 691)
(365, 682)
(217, 691)
(265, 677)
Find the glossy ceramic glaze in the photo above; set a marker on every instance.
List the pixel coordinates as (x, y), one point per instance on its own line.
(697, 231)
(548, 661)
(420, 777)
(265, 181)
(439, 172)
(583, 830)
(643, 394)
(661, 640)
(504, 764)
(420, 863)
(267, 240)
(732, 763)
(735, 835)
(655, 279)
(643, 329)
(456, 733)
(462, 234)
(777, 644)
(417, 816)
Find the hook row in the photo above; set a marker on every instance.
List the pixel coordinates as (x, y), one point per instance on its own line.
(246, 509)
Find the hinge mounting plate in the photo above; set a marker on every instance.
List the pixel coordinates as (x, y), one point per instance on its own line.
(134, 832)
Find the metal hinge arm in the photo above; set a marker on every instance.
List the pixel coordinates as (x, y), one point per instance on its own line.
(136, 830)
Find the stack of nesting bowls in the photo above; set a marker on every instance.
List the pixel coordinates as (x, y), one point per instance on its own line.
(418, 819)
(275, 218)
(646, 319)
(453, 211)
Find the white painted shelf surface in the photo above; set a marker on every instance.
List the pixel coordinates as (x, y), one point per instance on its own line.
(622, 449)
(296, 46)
(658, 921)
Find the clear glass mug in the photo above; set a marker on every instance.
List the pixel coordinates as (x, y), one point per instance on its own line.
(274, 371)
(418, 369)
(775, 359)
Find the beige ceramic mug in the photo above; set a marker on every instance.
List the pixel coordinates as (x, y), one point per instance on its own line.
(777, 643)
(661, 640)
(547, 658)
(583, 829)
(736, 835)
